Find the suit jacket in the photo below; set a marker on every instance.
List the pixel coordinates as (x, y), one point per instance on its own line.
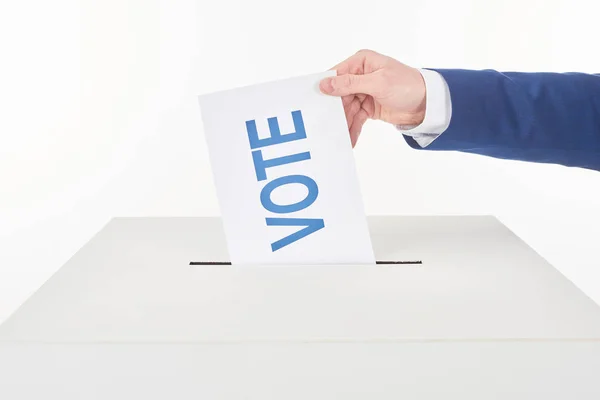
(539, 117)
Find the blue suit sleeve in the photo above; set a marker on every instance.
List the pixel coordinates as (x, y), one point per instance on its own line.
(539, 117)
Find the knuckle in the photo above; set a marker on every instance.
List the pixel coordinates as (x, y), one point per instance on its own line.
(385, 75)
(381, 82)
(347, 81)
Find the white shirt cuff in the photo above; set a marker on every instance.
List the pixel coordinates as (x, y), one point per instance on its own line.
(438, 110)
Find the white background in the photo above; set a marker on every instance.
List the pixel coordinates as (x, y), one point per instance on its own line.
(99, 117)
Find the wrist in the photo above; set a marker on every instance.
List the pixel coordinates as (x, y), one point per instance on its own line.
(421, 99)
(419, 115)
(437, 107)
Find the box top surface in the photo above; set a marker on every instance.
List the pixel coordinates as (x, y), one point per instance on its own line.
(133, 283)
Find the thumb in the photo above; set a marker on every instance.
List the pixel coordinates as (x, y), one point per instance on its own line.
(344, 85)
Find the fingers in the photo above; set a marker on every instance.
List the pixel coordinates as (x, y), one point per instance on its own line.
(354, 75)
(353, 64)
(351, 110)
(346, 100)
(358, 109)
(368, 104)
(347, 84)
(359, 120)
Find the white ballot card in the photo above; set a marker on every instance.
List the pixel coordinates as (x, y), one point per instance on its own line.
(285, 175)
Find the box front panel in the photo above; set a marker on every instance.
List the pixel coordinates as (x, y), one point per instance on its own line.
(416, 371)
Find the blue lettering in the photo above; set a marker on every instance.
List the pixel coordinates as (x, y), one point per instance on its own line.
(311, 225)
(261, 165)
(308, 225)
(276, 136)
(265, 194)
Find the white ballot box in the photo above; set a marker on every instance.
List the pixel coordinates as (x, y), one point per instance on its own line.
(482, 316)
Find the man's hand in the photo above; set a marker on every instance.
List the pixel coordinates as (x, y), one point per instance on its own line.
(373, 86)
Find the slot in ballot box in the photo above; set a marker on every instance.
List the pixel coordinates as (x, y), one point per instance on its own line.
(481, 317)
